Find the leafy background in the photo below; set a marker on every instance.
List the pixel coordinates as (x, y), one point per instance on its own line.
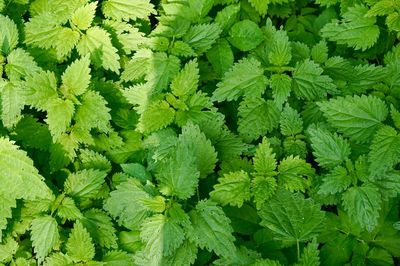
(205, 132)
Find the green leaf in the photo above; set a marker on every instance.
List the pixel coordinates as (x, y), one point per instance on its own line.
(79, 245)
(186, 254)
(261, 6)
(44, 236)
(186, 82)
(363, 204)
(308, 83)
(58, 259)
(12, 103)
(384, 152)
(220, 56)
(97, 42)
(84, 15)
(211, 229)
(330, 149)
(100, 227)
(281, 85)
(335, 181)
(295, 174)
(59, 116)
(245, 78)
(6, 205)
(161, 69)
(292, 218)
(84, 184)
(68, 210)
(264, 159)
(245, 35)
(20, 64)
(280, 51)
(127, 10)
(7, 249)
(232, 189)
(262, 189)
(18, 176)
(310, 255)
(8, 35)
(157, 115)
(76, 78)
(256, 118)
(357, 117)
(93, 112)
(202, 36)
(40, 88)
(356, 30)
(126, 204)
(117, 257)
(291, 123)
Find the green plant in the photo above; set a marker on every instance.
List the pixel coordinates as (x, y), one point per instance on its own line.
(205, 132)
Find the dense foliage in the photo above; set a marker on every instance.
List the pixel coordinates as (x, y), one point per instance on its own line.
(206, 132)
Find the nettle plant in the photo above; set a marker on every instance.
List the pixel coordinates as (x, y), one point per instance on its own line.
(199, 132)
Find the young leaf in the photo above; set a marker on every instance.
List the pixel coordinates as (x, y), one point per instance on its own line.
(84, 184)
(76, 78)
(127, 10)
(335, 181)
(83, 16)
(264, 160)
(202, 36)
(44, 236)
(79, 245)
(8, 35)
(59, 116)
(295, 174)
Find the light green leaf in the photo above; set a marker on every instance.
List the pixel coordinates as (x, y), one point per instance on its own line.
(245, 78)
(7, 250)
(157, 115)
(211, 229)
(295, 174)
(58, 259)
(68, 210)
(117, 257)
(40, 88)
(76, 78)
(59, 116)
(44, 236)
(186, 254)
(186, 82)
(84, 15)
(65, 42)
(12, 103)
(20, 64)
(202, 36)
(363, 204)
(84, 184)
(43, 31)
(232, 189)
(79, 245)
(309, 83)
(384, 151)
(330, 149)
(97, 43)
(292, 218)
(161, 69)
(262, 189)
(100, 227)
(93, 112)
(18, 176)
(280, 52)
(245, 35)
(256, 118)
(126, 204)
(128, 9)
(357, 117)
(8, 35)
(355, 30)
(6, 205)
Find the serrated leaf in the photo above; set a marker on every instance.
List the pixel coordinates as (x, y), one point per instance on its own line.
(357, 117)
(363, 204)
(262, 189)
(184, 255)
(355, 30)
(335, 181)
(76, 78)
(84, 184)
(12, 103)
(202, 36)
(264, 159)
(157, 115)
(160, 71)
(126, 204)
(256, 118)
(68, 210)
(8, 35)
(7, 250)
(232, 189)
(330, 149)
(221, 56)
(59, 116)
(281, 85)
(83, 16)
(211, 229)
(309, 83)
(44, 236)
(186, 82)
(280, 51)
(292, 218)
(40, 88)
(295, 174)
(126, 10)
(291, 123)
(20, 64)
(384, 152)
(245, 35)
(100, 227)
(245, 78)
(79, 245)
(6, 205)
